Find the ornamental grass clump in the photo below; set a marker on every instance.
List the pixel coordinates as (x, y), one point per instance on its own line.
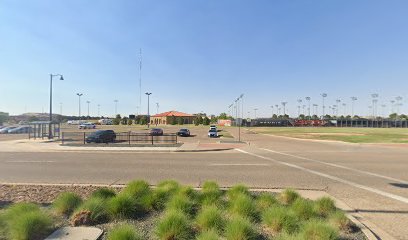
(239, 228)
(280, 219)
(180, 202)
(97, 208)
(66, 203)
(123, 206)
(210, 217)
(174, 225)
(324, 206)
(104, 193)
(163, 192)
(26, 221)
(242, 205)
(303, 209)
(210, 193)
(288, 196)
(317, 230)
(340, 221)
(265, 201)
(208, 235)
(124, 232)
(237, 190)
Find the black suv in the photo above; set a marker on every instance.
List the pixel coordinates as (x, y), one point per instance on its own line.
(101, 136)
(184, 132)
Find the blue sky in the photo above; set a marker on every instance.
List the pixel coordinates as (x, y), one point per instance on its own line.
(201, 55)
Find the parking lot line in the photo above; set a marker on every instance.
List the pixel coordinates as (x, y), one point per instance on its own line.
(353, 184)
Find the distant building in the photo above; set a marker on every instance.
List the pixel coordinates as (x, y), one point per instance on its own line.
(170, 117)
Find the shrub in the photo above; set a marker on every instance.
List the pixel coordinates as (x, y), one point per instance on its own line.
(288, 196)
(66, 203)
(142, 193)
(279, 218)
(316, 230)
(239, 228)
(190, 193)
(124, 232)
(286, 236)
(340, 221)
(324, 206)
(163, 192)
(303, 208)
(208, 235)
(265, 201)
(173, 226)
(236, 190)
(210, 217)
(211, 193)
(30, 225)
(103, 193)
(242, 205)
(181, 203)
(122, 206)
(26, 221)
(98, 209)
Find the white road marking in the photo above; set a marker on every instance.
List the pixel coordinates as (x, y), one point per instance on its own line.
(23, 161)
(239, 164)
(353, 184)
(338, 166)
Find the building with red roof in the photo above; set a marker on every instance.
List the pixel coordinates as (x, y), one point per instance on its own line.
(172, 117)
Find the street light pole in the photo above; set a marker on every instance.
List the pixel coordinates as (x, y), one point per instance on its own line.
(50, 124)
(79, 104)
(148, 109)
(299, 101)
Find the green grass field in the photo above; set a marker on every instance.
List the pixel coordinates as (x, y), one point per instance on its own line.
(352, 135)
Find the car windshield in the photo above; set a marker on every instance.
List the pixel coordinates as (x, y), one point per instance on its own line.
(212, 130)
(156, 129)
(97, 133)
(183, 130)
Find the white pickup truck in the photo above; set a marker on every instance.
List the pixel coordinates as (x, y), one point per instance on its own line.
(87, 126)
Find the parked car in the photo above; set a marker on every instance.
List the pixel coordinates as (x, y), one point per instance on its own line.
(22, 129)
(87, 126)
(6, 129)
(156, 132)
(212, 133)
(184, 132)
(101, 136)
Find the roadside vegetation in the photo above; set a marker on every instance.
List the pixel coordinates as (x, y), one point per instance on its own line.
(171, 211)
(351, 135)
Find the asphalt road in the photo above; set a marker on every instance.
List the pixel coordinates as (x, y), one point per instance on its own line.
(371, 179)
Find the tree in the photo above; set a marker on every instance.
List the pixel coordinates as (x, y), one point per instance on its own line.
(130, 122)
(274, 116)
(198, 120)
(302, 116)
(118, 116)
(180, 121)
(173, 120)
(393, 116)
(3, 117)
(143, 120)
(315, 117)
(124, 121)
(116, 121)
(206, 121)
(223, 116)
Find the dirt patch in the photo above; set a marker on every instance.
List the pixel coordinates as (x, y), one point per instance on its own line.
(335, 134)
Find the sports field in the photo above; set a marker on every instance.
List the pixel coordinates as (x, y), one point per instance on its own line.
(352, 135)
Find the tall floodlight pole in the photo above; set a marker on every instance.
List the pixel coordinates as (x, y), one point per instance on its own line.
(148, 109)
(79, 104)
(308, 108)
(299, 101)
(337, 107)
(315, 109)
(241, 97)
(116, 106)
(353, 99)
(50, 124)
(88, 102)
(344, 109)
(303, 110)
(324, 95)
(272, 111)
(374, 100)
(284, 108)
(140, 79)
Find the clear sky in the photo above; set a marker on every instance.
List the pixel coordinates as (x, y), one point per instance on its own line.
(201, 55)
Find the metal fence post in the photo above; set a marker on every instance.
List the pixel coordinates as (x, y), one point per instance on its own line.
(152, 139)
(62, 141)
(129, 137)
(84, 138)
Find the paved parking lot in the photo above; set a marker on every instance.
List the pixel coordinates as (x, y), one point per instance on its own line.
(372, 180)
